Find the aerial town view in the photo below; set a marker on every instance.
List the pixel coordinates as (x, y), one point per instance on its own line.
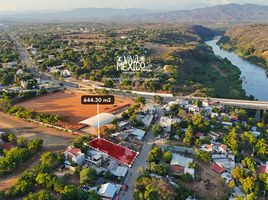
(134, 100)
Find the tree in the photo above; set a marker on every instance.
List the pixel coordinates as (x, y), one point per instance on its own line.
(158, 169)
(205, 156)
(92, 195)
(88, 176)
(22, 142)
(238, 173)
(141, 100)
(182, 192)
(231, 184)
(49, 159)
(158, 99)
(155, 154)
(261, 148)
(188, 136)
(35, 145)
(157, 129)
(263, 181)
(12, 138)
(150, 193)
(45, 180)
(42, 195)
(231, 141)
(249, 163)
(183, 114)
(167, 156)
(187, 177)
(192, 165)
(248, 140)
(71, 192)
(248, 184)
(242, 114)
(5, 105)
(197, 119)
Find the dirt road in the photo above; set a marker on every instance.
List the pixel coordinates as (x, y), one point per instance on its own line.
(54, 140)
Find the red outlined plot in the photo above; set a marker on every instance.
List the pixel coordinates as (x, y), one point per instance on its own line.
(117, 152)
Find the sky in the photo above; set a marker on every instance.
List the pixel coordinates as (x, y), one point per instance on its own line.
(31, 5)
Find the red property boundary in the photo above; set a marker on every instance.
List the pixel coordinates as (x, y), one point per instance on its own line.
(117, 152)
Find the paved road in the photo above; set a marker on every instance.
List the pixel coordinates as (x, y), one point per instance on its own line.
(140, 162)
(247, 104)
(29, 62)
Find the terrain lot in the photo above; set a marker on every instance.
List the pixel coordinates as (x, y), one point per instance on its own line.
(54, 140)
(86, 37)
(68, 104)
(208, 184)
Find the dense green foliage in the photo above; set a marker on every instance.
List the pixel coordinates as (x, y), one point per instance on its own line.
(14, 157)
(23, 113)
(185, 66)
(249, 42)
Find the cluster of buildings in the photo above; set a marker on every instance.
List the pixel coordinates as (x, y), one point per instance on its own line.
(102, 163)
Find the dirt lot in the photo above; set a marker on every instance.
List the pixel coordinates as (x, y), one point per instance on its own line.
(68, 104)
(54, 140)
(160, 49)
(208, 184)
(86, 37)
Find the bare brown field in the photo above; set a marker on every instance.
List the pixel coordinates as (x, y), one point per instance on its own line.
(86, 37)
(159, 50)
(208, 184)
(68, 105)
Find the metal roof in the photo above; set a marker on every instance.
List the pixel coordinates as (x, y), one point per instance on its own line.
(105, 118)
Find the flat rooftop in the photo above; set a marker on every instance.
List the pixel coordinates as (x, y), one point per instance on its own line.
(122, 154)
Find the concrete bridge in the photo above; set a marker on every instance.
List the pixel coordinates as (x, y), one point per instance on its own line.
(247, 104)
(260, 106)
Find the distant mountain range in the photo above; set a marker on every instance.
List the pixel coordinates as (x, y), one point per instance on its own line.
(229, 13)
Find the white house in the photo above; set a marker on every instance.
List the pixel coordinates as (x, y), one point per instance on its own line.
(223, 148)
(226, 176)
(138, 133)
(165, 123)
(256, 133)
(120, 171)
(109, 190)
(182, 162)
(65, 73)
(193, 109)
(213, 114)
(95, 157)
(122, 124)
(206, 147)
(237, 192)
(227, 124)
(75, 155)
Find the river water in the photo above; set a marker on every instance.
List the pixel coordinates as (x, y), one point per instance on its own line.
(255, 81)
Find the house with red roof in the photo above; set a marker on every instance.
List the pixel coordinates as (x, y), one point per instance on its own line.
(217, 168)
(75, 155)
(199, 135)
(263, 168)
(7, 146)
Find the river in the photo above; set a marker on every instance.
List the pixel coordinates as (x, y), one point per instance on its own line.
(255, 81)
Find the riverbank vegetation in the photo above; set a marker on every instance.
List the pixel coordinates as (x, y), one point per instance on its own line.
(249, 42)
